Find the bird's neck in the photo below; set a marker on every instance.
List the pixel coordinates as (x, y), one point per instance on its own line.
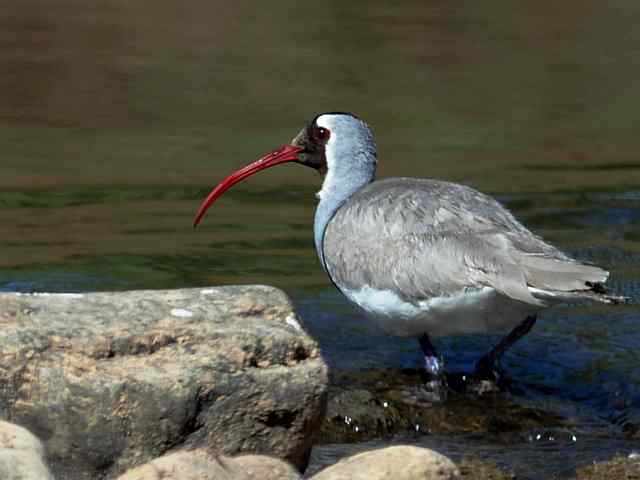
(343, 179)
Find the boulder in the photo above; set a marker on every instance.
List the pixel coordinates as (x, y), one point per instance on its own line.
(476, 468)
(402, 462)
(261, 467)
(625, 467)
(187, 465)
(200, 464)
(21, 454)
(112, 380)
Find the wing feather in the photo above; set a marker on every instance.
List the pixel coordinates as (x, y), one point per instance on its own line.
(426, 238)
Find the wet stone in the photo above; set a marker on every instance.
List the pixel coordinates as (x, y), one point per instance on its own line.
(619, 467)
(474, 468)
(380, 403)
(401, 462)
(631, 430)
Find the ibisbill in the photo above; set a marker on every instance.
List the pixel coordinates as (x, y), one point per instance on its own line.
(424, 258)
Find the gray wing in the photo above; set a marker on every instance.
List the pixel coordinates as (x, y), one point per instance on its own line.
(427, 238)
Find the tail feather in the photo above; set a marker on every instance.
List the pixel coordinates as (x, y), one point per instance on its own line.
(556, 280)
(604, 298)
(596, 293)
(553, 274)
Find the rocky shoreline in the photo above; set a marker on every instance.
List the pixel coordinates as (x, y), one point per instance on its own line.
(215, 383)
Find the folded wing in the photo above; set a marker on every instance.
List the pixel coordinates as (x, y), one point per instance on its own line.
(426, 238)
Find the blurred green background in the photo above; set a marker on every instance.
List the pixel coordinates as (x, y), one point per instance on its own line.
(116, 117)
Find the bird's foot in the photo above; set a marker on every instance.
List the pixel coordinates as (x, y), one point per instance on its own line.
(434, 388)
(426, 394)
(488, 368)
(487, 377)
(480, 387)
(436, 391)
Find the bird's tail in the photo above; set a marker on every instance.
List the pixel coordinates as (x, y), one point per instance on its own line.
(555, 280)
(597, 292)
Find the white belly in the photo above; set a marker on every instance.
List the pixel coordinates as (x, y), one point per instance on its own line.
(477, 311)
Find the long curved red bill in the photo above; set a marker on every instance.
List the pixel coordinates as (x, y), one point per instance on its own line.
(286, 153)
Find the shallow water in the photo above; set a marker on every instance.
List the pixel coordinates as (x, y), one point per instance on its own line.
(115, 120)
(541, 455)
(579, 361)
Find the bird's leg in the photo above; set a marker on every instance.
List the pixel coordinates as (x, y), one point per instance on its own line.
(432, 364)
(434, 378)
(488, 367)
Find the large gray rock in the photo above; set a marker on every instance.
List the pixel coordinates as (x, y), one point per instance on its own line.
(21, 454)
(403, 462)
(112, 380)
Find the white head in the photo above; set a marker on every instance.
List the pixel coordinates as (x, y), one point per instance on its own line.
(341, 146)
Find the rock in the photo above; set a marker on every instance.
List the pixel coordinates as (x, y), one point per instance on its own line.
(187, 465)
(474, 468)
(21, 454)
(356, 414)
(261, 467)
(15, 437)
(619, 467)
(112, 380)
(200, 464)
(398, 463)
(378, 403)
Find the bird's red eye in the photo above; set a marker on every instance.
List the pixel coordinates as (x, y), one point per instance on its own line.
(322, 134)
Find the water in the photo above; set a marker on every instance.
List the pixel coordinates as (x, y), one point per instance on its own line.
(552, 456)
(116, 119)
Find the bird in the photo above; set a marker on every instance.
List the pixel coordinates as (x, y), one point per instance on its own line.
(424, 258)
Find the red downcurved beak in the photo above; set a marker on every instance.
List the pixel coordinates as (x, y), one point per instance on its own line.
(286, 153)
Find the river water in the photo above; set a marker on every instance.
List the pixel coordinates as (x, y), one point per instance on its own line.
(117, 118)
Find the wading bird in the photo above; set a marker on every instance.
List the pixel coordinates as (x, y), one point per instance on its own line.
(424, 258)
